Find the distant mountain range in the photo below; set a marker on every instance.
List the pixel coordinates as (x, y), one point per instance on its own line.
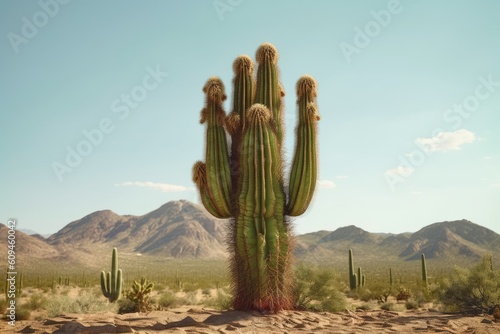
(181, 229)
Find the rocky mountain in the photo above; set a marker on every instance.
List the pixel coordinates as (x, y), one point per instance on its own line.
(26, 246)
(446, 239)
(351, 234)
(176, 229)
(181, 229)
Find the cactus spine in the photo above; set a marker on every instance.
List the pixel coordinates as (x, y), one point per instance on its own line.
(245, 181)
(424, 271)
(111, 282)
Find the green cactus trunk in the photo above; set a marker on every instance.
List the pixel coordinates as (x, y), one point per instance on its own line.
(425, 281)
(111, 282)
(353, 278)
(245, 182)
(361, 278)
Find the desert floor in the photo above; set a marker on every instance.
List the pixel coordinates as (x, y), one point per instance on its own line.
(203, 320)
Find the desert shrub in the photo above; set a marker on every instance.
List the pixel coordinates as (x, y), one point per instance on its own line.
(37, 302)
(189, 299)
(166, 300)
(365, 307)
(3, 305)
(474, 290)
(388, 306)
(221, 302)
(87, 303)
(376, 292)
(23, 312)
(383, 297)
(425, 295)
(189, 287)
(127, 306)
(365, 294)
(159, 287)
(403, 294)
(354, 294)
(318, 290)
(411, 304)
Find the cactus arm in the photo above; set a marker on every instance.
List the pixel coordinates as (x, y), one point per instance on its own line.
(303, 175)
(268, 91)
(243, 84)
(108, 284)
(104, 287)
(119, 281)
(216, 153)
(200, 179)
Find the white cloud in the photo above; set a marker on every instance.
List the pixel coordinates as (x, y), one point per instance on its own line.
(341, 177)
(400, 171)
(165, 187)
(417, 193)
(488, 157)
(447, 141)
(326, 184)
(495, 185)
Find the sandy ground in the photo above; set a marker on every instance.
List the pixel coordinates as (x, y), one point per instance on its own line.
(203, 320)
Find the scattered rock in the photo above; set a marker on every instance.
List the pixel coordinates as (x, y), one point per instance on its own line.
(72, 327)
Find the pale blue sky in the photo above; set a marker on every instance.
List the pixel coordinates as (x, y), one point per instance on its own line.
(386, 84)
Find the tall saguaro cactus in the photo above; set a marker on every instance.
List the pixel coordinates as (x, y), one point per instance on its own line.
(425, 281)
(111, 282)
(244, 181)
(355, 280)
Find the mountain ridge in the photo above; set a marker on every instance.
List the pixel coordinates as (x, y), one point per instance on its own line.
(181, 229)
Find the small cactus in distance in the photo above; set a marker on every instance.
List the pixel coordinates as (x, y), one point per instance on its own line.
(358, 280)
(111, 282)
(353, 278)
(403, 293)
(425, 280)
(361, 278)
(139, 294)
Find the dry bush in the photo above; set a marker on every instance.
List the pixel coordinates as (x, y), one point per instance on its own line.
(475, 290)
(318, 290)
